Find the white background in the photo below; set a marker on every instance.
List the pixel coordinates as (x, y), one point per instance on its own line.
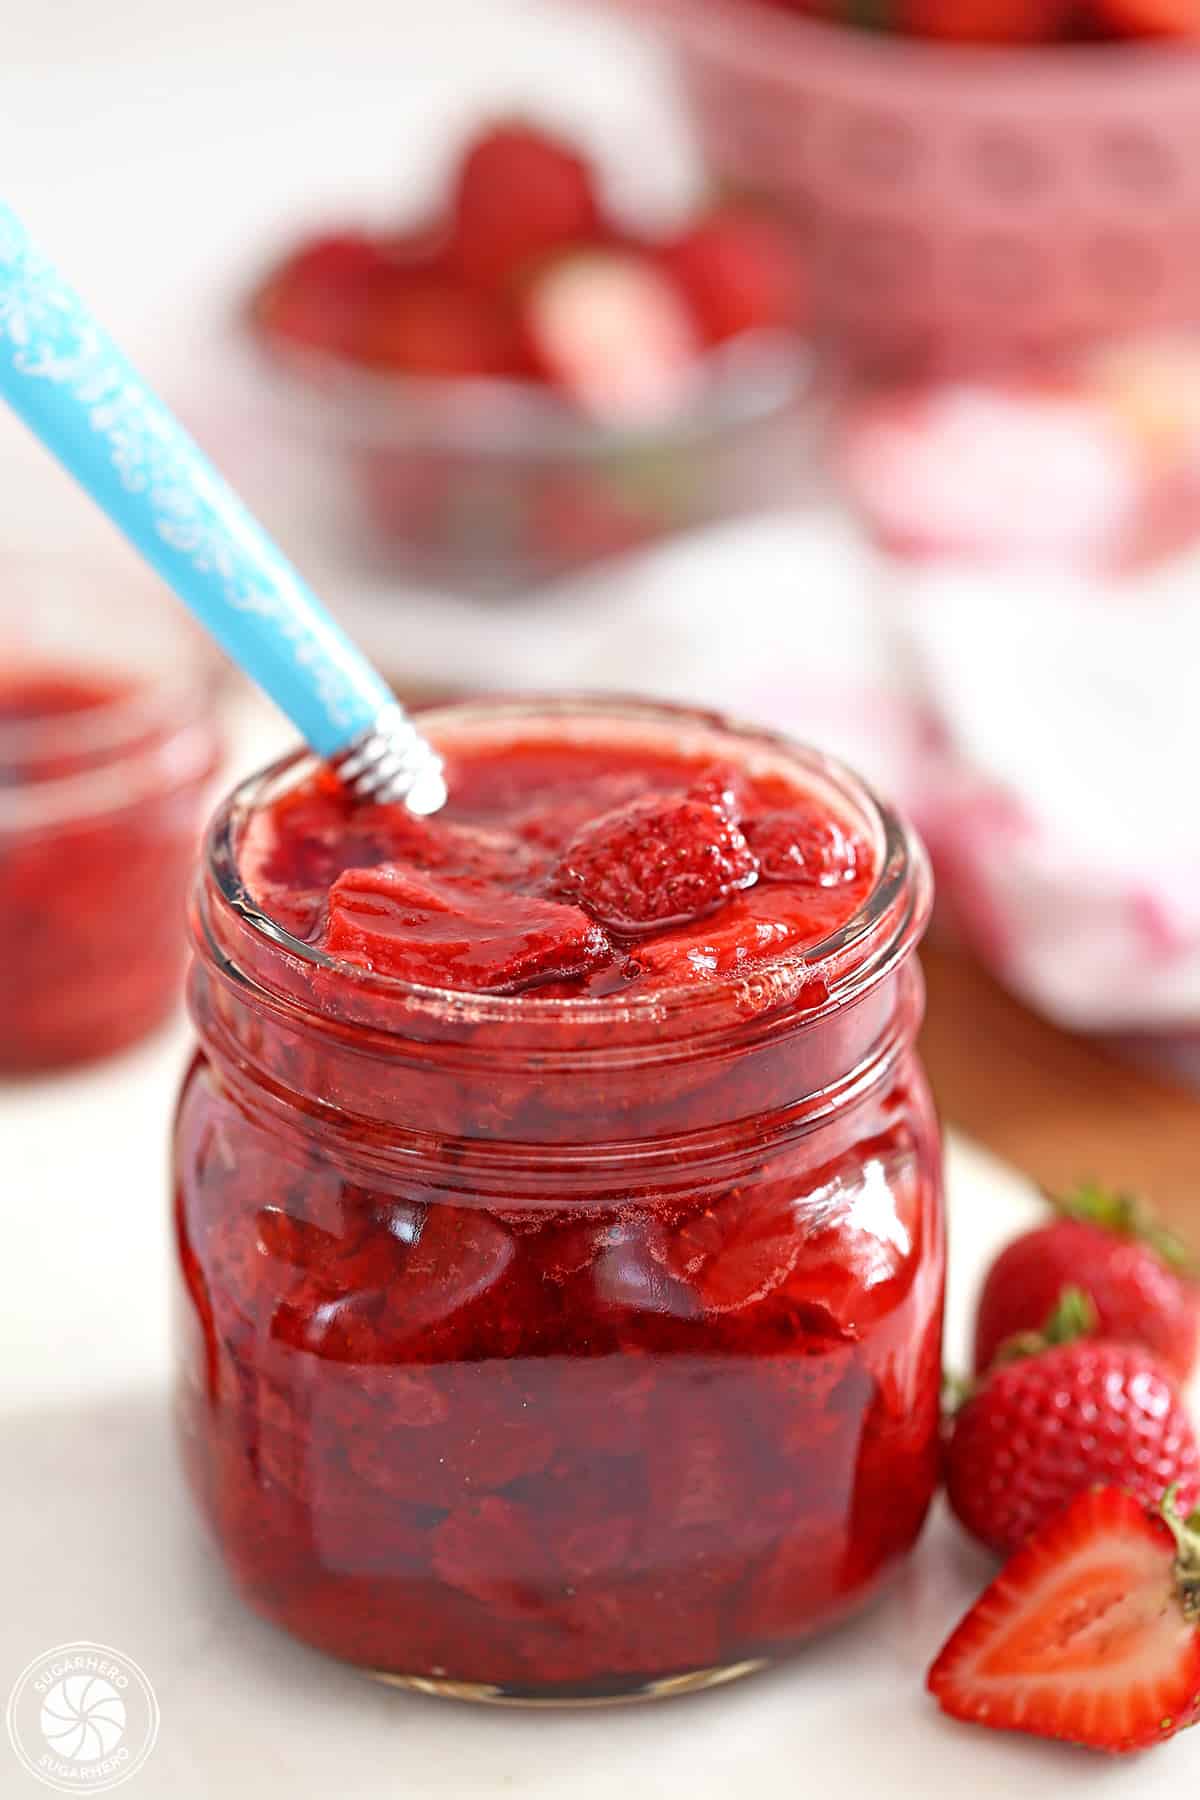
(160, 150)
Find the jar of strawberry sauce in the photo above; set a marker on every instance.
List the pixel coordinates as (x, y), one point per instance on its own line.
(108, 744)
(558, 1206)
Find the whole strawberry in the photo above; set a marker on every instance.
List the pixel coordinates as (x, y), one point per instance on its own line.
(1057, 1414)
(520, 195)
(1139, 1278)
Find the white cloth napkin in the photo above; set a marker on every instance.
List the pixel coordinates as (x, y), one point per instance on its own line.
(1059, 796)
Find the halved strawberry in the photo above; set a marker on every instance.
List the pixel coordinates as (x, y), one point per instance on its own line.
(521, 195)
(737, 272)
(1091, 1634)
(610, 330)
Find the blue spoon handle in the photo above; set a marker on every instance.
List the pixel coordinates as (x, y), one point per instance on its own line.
(75, 390)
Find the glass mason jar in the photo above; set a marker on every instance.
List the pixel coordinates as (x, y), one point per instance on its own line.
(560, 1349)
(108, 743)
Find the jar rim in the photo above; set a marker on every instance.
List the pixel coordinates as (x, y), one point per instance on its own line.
(889, 921)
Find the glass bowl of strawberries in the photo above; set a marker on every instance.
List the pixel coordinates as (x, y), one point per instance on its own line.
(522, 384)
(971, 179)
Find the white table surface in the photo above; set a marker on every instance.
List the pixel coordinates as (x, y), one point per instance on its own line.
(98, 1540)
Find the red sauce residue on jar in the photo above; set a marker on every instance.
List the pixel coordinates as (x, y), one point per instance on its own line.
(100, 798)
(568, 1358)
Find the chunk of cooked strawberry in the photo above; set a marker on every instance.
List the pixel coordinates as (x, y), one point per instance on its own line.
(803, 846)
(737, 272)
(609, 330)
(723, 786)
(1091, 1634)
(445, 932)
(445, 1433)
(797, 1581)
(292, 855)
(450, 1269)
(317, 295)
(663, 860)
(738, 1250)
(492, 1549)
(521, 194)
(735, 941)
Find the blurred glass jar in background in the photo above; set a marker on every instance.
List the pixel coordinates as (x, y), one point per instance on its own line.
(108, 741)
(493, 487)
(524, 379)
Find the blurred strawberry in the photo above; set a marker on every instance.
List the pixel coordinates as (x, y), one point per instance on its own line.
(317, 295)
(422, 323)
(737, 273)
(1151, 18)
(984, 21)
(609, 330)
(576, 518)
(407, 494)
(521, 195)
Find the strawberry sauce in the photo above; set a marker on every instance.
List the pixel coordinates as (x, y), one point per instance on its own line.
(558, 1205)
(101, 789)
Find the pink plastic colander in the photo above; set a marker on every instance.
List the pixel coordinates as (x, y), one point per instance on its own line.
(961, 205)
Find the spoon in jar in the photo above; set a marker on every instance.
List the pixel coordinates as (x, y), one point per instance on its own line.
(63, 375)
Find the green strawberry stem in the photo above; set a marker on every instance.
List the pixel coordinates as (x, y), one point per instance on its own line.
(956, 1391)
(1127, 1215)
(1073, 1317)
(1186, 1533)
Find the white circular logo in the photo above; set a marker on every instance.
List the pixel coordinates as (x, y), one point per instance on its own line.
(82, 1717)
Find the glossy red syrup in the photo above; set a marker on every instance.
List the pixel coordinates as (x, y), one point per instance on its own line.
(567, 870)
(565, 1352)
